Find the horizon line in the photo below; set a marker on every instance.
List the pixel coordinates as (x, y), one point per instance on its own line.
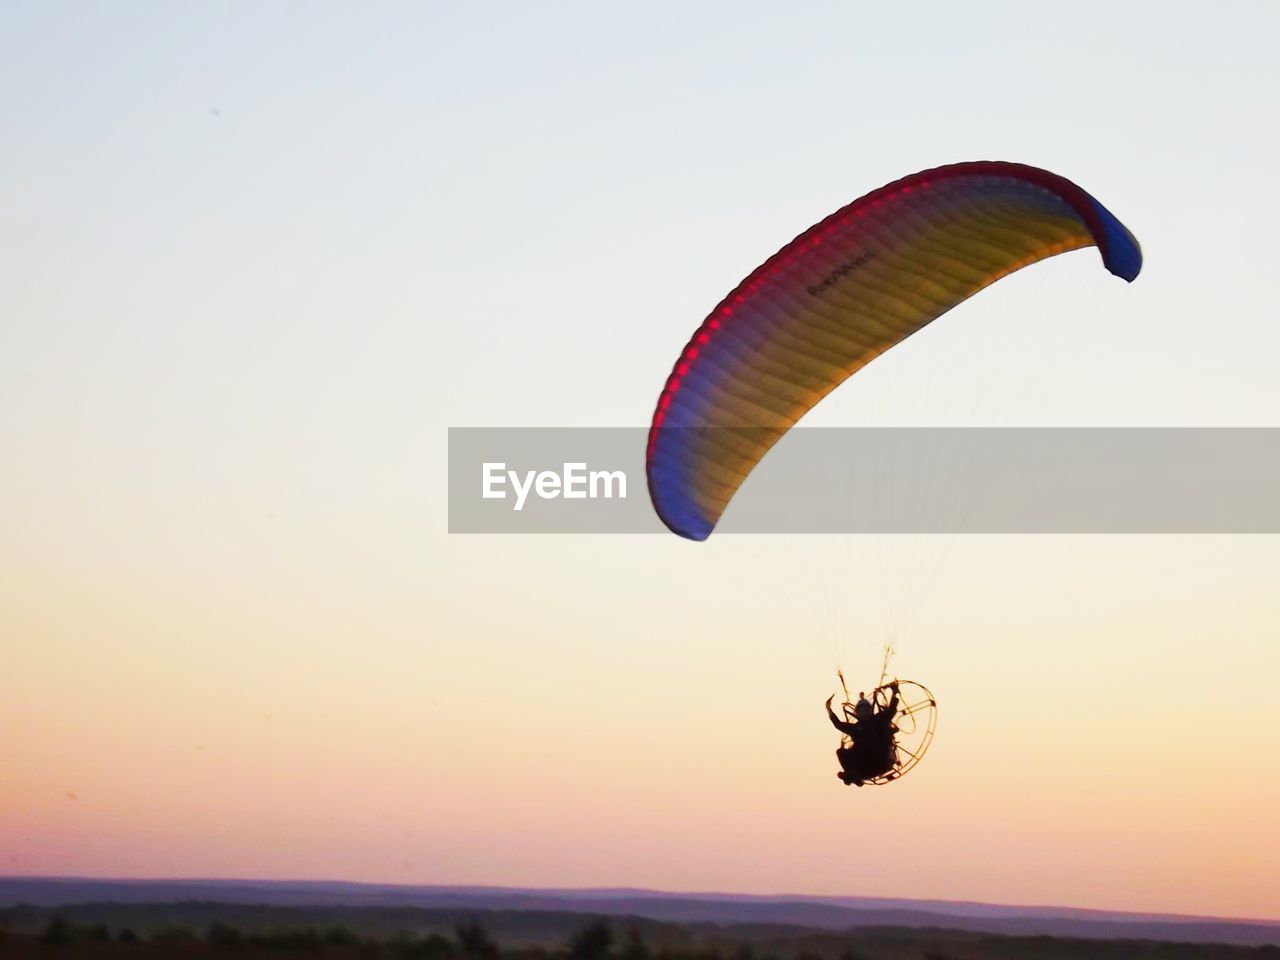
(828, 899)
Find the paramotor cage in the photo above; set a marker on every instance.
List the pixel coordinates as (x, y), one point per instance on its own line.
(913, 726)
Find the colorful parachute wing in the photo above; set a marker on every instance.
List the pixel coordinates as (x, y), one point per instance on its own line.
(838, 296)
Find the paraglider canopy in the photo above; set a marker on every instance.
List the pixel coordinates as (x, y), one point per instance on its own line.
(839, 295)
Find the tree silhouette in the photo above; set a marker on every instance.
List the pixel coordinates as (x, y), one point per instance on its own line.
(474, 940)
(592, 942)
(635, 948)
(58, 931)
(223, 935)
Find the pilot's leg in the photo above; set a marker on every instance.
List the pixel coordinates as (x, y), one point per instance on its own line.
(848, 766)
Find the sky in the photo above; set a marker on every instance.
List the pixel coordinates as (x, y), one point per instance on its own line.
(256, 259)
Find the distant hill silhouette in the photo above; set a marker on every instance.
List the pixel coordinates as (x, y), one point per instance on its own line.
(739, 911)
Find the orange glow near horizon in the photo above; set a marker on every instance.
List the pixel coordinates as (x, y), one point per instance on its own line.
(156, 741)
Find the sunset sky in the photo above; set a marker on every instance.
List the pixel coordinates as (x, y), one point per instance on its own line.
(256, 259)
